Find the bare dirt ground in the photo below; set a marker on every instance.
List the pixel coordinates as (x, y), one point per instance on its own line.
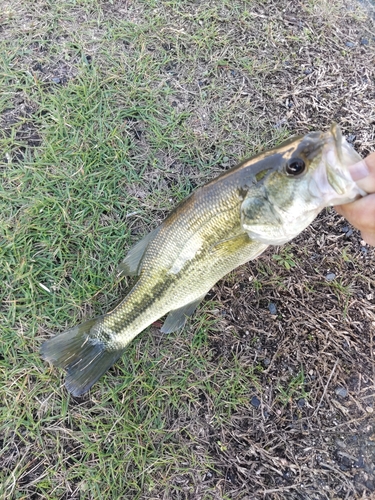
(324, 442)
(290, 337)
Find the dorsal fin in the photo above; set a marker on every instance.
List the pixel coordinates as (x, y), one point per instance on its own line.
(131, 265)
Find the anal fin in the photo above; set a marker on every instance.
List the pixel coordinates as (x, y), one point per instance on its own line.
(177, 318)
(131, 265)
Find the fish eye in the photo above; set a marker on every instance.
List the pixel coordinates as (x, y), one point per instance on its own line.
(295, 166)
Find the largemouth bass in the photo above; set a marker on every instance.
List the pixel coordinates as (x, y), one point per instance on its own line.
(266, 200)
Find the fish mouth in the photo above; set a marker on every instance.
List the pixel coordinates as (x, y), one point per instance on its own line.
(331, 182)
(334, 156)
(337, 157)
(336, 133)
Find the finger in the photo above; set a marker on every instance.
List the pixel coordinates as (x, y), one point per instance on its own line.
(363, 173)
(369, 237)
(360, 213)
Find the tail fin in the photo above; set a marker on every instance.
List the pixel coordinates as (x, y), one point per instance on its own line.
(85, 358)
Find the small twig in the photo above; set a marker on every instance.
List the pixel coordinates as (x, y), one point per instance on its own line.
(326, 387)
(275, 490)
(348, 422)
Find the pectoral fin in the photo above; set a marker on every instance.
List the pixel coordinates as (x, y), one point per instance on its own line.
(230, 246)
(177, 318)
(131, 265)
(238, 250)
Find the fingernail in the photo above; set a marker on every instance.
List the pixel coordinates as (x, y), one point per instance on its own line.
(359, 170)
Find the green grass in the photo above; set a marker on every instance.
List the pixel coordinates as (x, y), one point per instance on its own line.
(71, 203)
(109, 118)
(293, 389)
(285, 258)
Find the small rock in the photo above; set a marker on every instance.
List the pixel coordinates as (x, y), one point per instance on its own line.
(351, 138)
(281, 123)
(364, 41)
(340, 443)
(341, 391)
(345, 229)
(225, 162)
(266, 362)
(370, 484)
(255, 402)
(37, 67)
(56, 80)
(330, 276)
(346, 464)
(360, 463)
(364, 250)
(272, 308)
(308, 71)
(301, 402)
(350, 44)
(349, 233)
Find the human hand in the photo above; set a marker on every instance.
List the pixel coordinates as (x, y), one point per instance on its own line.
(361, 213)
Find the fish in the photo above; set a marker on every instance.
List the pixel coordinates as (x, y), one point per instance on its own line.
(265, 200)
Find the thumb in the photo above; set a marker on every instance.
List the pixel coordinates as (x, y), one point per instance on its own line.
(363, 173)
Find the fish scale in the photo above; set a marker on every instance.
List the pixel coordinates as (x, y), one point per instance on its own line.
(266, 200)
(155, 295)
